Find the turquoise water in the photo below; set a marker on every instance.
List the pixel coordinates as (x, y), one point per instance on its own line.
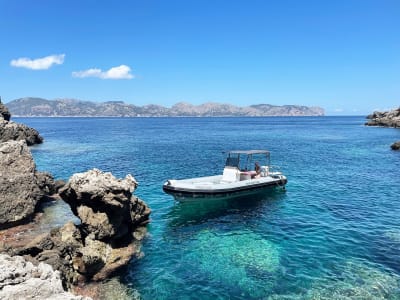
(333, 234)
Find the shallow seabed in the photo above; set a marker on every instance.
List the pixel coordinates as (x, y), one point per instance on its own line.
(333, 234)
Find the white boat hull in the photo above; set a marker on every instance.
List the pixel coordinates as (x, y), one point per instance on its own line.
(214, 187)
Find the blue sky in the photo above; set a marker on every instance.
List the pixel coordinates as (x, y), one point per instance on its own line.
(342, 55)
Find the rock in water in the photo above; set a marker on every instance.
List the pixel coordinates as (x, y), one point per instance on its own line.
(395, 146)
(4, 113)
(387, 118)
(19, 192)
(105, 204)
(20, 279)
(108, 237)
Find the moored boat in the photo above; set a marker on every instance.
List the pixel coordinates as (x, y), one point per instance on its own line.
(246, 173)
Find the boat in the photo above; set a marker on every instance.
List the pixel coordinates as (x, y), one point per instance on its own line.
(246, 173)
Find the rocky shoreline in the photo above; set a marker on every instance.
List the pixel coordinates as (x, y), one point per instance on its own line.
(386, 119)
(71, 257)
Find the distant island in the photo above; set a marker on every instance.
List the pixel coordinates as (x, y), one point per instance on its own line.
(38, 107)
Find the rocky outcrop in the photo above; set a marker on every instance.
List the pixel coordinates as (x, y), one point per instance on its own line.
(10, 130)
(20, 279)
(21, 186)
(4, 112)
(112, 226)
(105, 204)
(19, 192)
(395, 146)
(387, 119)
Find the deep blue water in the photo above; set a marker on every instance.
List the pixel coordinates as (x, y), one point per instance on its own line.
(333, 234)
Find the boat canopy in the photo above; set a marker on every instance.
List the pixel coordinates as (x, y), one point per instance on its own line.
(244, 159)
(248, 152)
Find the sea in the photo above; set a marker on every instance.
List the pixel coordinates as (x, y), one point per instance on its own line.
(334, 233)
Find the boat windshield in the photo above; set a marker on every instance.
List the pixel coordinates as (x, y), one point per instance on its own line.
(245, 160)
(232, 161)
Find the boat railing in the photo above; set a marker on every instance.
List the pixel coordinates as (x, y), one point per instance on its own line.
(274, 169)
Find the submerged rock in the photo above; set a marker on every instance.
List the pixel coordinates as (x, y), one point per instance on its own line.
(358, 281)
(20, 279)
(395, 146)
(238, 260)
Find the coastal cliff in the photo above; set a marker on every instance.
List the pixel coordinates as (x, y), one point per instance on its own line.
(386, 119)
(32, 107)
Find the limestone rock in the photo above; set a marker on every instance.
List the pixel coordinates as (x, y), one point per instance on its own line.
(21, 186)
(59, 248)
(14, 131)
(386, 119)
(112, 226)
(10, 130)
(19, 192)
(20, 279)
(395, 146)
(79, 259)
(46, 183)
(101, 260)
(105, 204)
(4, 113)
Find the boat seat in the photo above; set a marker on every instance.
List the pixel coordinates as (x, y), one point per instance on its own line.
(230, 174)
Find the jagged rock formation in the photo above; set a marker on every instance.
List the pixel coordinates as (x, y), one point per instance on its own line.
(105, 204)
(10, 130)
(387, 119)
(4, 112)
(113, 223)
(21, 186)
(20, 279)
(71, 107)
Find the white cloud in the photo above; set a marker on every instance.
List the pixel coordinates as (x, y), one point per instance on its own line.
(120, 72)
(338, 110)
(43, 63)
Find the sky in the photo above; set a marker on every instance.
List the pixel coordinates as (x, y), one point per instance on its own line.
(341, 55)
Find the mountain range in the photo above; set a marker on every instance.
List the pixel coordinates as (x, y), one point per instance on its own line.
(39, 107)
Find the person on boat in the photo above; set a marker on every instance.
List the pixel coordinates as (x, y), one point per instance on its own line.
(257, 168)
